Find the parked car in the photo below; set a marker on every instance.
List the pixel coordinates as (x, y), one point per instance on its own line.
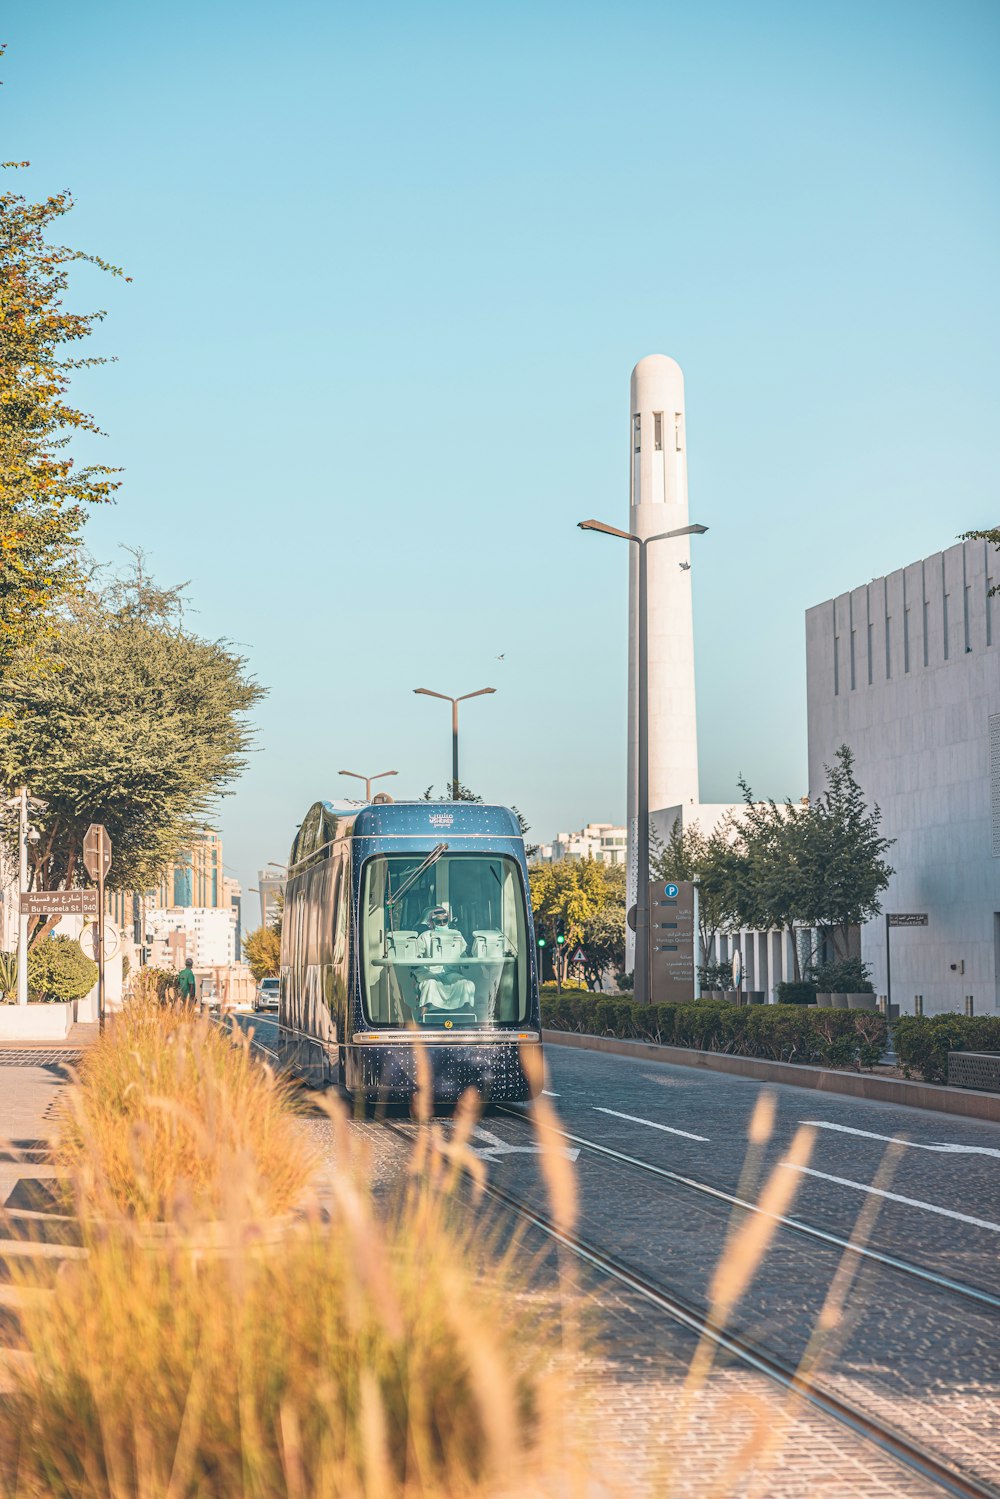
(266, 997)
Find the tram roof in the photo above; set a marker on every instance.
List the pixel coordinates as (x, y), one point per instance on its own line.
(423, 818)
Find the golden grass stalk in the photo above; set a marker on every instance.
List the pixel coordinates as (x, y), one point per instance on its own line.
(169, 1112)
(365, 1357)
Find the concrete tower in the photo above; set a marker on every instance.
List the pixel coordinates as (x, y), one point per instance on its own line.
(659, 502)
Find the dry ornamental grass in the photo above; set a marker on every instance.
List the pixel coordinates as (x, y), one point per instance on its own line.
(168, 1111)
(408, 1353)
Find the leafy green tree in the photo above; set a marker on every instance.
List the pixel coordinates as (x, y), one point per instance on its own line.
(769, 888)
(141, 725)
(262, 950)
(43, 495)
(840, 853)
(587, 899)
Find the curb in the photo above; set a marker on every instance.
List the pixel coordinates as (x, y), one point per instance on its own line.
(933, 1096)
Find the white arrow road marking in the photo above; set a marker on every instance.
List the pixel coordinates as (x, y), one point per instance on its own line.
(651, 1124)
(845, 1129)
(495, 1147)
(549, 1094)
(910, 1202)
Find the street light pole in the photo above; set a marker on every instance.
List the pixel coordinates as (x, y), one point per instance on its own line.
(642, 932)
(22, 885)
(367, 780)
(480, 692)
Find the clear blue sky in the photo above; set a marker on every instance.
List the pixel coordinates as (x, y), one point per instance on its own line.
(392, 267)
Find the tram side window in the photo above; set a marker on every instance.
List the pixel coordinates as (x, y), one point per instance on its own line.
(445, 944)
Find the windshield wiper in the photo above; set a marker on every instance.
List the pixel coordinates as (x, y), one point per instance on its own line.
(432, 858)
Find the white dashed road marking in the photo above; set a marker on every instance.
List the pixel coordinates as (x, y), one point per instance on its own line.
(652, 1124)
(845, 1129)
(910, 1202)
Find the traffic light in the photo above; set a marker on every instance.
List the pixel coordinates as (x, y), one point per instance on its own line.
(541, 940)
(560, 931)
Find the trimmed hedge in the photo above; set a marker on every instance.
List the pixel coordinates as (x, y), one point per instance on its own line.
(780, 1033)
(923, 1042)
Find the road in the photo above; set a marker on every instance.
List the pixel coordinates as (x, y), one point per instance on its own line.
(662, 1150)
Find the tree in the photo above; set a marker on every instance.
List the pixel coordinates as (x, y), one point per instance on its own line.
(262, 950)
(769, 887)
(42, 494)
(140, 725)
(585, 900)
(841, 856)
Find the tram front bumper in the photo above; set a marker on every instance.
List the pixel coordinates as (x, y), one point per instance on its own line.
(390, 1070)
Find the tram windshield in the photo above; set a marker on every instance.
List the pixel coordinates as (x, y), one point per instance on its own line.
(443, 941)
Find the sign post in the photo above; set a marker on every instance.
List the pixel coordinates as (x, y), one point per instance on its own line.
(671, 941)
(899, 918)
(97, 862)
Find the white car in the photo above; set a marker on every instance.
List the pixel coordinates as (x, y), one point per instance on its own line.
(266, 997)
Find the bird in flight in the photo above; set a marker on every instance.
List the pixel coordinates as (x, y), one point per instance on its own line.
(685, 567)
(500, 658)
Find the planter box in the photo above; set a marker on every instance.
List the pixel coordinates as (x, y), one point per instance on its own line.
(860, 1001)
(37, 1022)
(825, 1001)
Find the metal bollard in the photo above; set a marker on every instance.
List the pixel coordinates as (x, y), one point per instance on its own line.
(918, 1004)
(968, 1004)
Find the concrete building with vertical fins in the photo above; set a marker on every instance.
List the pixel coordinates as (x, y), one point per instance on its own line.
(906, 671)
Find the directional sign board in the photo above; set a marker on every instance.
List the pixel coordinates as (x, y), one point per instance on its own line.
(907, 918)
(97, 851)
(59, 903)
(671, 941)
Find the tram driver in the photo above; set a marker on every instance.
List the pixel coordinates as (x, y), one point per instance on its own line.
(443, 988)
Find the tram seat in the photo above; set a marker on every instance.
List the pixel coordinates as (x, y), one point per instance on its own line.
(402, 946)
(489, 944)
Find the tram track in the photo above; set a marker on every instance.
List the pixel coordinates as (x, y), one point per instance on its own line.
(797, 1225)
(740, 1348)
(737, 1346)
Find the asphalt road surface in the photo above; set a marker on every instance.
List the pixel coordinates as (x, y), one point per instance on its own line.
(660, 1152)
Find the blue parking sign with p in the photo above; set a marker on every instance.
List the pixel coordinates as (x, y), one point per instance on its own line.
(670, 891)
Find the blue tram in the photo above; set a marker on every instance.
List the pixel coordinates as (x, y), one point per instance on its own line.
(407, 924)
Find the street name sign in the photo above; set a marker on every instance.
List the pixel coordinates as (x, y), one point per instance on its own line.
(59, 903)
(907, 918)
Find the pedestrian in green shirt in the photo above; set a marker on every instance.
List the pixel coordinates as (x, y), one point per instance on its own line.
(187, 984)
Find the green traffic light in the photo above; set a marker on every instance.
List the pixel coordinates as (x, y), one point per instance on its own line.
(541, 941)
(560, 939)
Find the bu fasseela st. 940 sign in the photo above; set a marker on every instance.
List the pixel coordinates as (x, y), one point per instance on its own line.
(59, 903)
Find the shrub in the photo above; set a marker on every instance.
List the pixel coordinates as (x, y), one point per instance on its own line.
(781, 1033)
(923, 1041)
(800, 993)
(850, 976)
(715, 975)
(58, 969)
(153, 984)
(168, 1107)
(8, 973)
